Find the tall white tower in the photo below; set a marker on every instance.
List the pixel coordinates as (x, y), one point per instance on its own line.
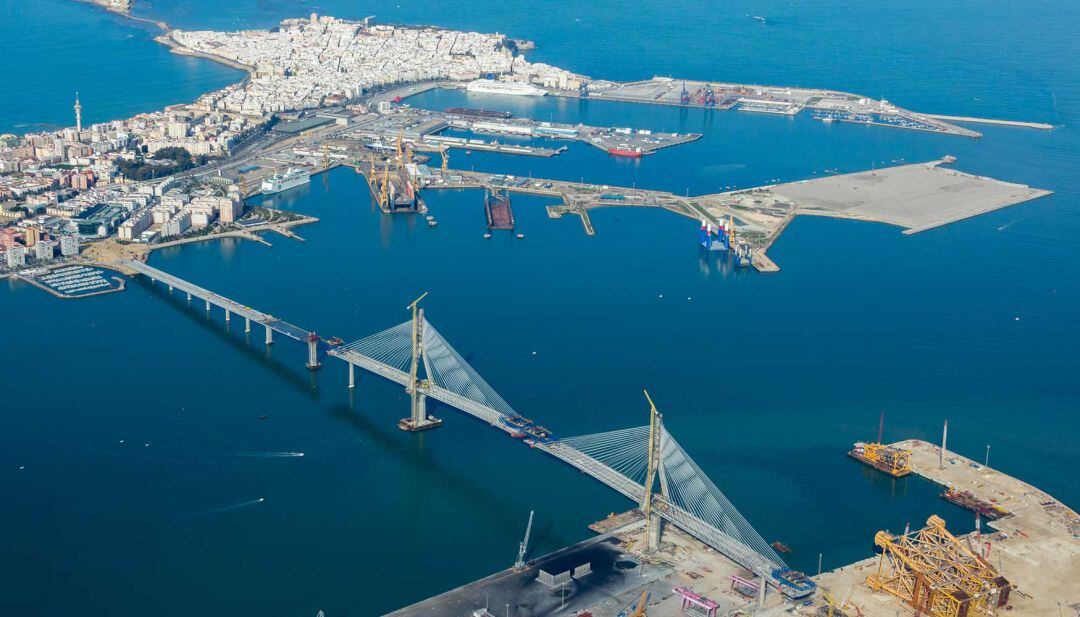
(78, 113)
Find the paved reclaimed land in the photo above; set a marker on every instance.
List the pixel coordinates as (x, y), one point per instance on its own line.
(519, 593)
(1037, 549)
(917, 197)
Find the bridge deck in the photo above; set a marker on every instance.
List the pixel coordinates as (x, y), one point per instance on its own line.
(288, 329)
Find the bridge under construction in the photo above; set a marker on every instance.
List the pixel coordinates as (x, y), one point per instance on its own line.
(645, 464)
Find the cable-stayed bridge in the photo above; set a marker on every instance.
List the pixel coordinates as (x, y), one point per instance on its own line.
(687, 498)
(631, 461)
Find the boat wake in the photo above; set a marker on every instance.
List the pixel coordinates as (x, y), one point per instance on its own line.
(235, 506)
(270, 454)
(1009, 224)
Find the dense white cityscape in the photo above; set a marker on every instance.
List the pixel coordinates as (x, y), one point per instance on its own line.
(321, 61)
(119, 179)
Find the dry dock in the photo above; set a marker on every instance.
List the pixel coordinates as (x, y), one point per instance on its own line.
(1037, 549)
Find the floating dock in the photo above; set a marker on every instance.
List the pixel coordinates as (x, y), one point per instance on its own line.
(498, 211)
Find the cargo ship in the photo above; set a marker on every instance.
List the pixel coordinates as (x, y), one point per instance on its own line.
(628, 152)
(292, 178)
(513, 88)
(498, 211)
(965, 499)
(894, 461)
(793, 584)
(479, 113)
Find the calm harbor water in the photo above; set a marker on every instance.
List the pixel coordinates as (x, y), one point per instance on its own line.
(130, 439)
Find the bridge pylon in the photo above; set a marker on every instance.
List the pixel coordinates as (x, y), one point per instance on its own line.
(418, 419)
(653, 522)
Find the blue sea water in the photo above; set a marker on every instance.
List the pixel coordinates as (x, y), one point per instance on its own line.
(134, 458)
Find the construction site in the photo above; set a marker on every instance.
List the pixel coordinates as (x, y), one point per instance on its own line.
(1024, 565)
(1023, 562)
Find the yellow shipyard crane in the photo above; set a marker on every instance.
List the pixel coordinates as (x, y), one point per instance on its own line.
(931, 570)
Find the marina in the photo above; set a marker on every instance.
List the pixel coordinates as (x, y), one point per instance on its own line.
(74, 281)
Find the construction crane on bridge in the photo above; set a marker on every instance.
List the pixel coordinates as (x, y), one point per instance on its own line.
(523, 546)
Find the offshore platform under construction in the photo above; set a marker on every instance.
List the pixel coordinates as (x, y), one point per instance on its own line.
(937, 574)
(889, 459)
(392, 186)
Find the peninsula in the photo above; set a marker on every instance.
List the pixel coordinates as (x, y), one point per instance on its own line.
(323, 92)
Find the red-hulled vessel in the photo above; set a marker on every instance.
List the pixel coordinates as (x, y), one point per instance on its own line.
(633, 153)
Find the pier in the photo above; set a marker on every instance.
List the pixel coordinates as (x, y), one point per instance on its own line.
(916, 197)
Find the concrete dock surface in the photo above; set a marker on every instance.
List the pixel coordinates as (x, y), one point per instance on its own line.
(917, 197)
(1037, 549)
(521, 594)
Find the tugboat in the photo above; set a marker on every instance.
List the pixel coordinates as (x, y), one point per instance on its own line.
(781, 547)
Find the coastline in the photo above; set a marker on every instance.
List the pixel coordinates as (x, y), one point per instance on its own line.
(165, 38)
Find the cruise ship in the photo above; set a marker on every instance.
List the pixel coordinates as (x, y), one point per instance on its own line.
(491, 86)
(292, 178)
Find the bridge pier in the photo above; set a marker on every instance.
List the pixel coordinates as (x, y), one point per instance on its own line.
(761, 590)
(652, 532)
(352, 376)
(419, 420)
(189, 297)
(313, 363)
(207, 306)
(247, 325)
(228, 316)
(269, 336)
(170, 288)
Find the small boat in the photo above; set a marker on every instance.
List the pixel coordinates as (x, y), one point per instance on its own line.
(521, 236)
(432, 223)
(487, 236)
(781, 547)
(263, 417)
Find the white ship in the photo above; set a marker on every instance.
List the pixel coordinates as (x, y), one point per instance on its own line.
(491, 86)
(292, 178)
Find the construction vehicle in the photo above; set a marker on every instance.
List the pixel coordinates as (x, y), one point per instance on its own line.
(637, 606)
(834, 609)
(935, 573)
